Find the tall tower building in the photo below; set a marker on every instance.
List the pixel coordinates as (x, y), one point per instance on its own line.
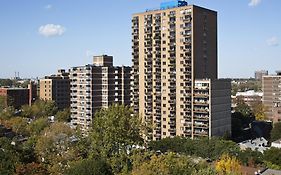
(95, 86)
(172, 47)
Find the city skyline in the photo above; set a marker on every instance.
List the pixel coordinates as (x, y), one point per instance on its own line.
(38, 38)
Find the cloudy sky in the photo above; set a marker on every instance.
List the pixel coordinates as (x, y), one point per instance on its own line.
(39, 37)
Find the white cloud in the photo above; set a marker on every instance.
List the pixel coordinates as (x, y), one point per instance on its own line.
(273, 41)
(253, 3)
(48, 7)
(50, 30)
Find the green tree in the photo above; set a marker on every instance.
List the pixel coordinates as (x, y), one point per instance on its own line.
(63, 116)
(31, 169)
(169, 164)
(250, 158)
(114, 132)
(8, 157)
(273, 156)
(7, 114)
(90, 167)
(18, 125)
(243, 108)
(213, 148)
(37, 126)
(56, 148)
(276, 132)
(40, 109)
(2, 103)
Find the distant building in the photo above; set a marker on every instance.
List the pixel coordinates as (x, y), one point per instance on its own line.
(260, 73)
(15, 97)
(271, 86)
(33, 92)
(96, 86)
(249, 97)
(56, 88)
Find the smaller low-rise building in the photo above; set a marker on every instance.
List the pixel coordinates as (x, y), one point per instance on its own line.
(249, 97)
(15, 97)
(276, 144)
(258, 144)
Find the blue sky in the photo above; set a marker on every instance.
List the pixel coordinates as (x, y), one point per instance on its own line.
(37, 37)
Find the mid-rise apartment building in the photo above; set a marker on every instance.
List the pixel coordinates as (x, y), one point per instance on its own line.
(95, 86)
(15, 97)
(172, 47)
(271, 86)
(211, 107)
(56, 88)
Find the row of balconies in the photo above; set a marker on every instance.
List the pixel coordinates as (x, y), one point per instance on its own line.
(201, 132)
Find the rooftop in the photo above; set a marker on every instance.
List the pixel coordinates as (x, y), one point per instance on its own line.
(258, 144)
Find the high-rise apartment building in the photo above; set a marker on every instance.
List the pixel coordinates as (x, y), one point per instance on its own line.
(95, 86)
(172, 47)
(56, 88)
(271, 86)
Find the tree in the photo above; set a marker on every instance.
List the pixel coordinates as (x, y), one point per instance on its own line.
(40, 109)
(8, 157)
(90, 167)
(113, 134)
(228, 165)
(63, 116)
(2, 103)
(276, 132)
(37, 126)
(259, 111)
(213, 148)
(7, 114)
(31, 169)
(169, 164)
(114, 130)
(273, 156)
(243, 108)
(250, 158)
(18, 125)
(55, 147)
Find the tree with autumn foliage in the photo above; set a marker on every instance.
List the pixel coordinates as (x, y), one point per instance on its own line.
(228, 165)
(259, 110)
